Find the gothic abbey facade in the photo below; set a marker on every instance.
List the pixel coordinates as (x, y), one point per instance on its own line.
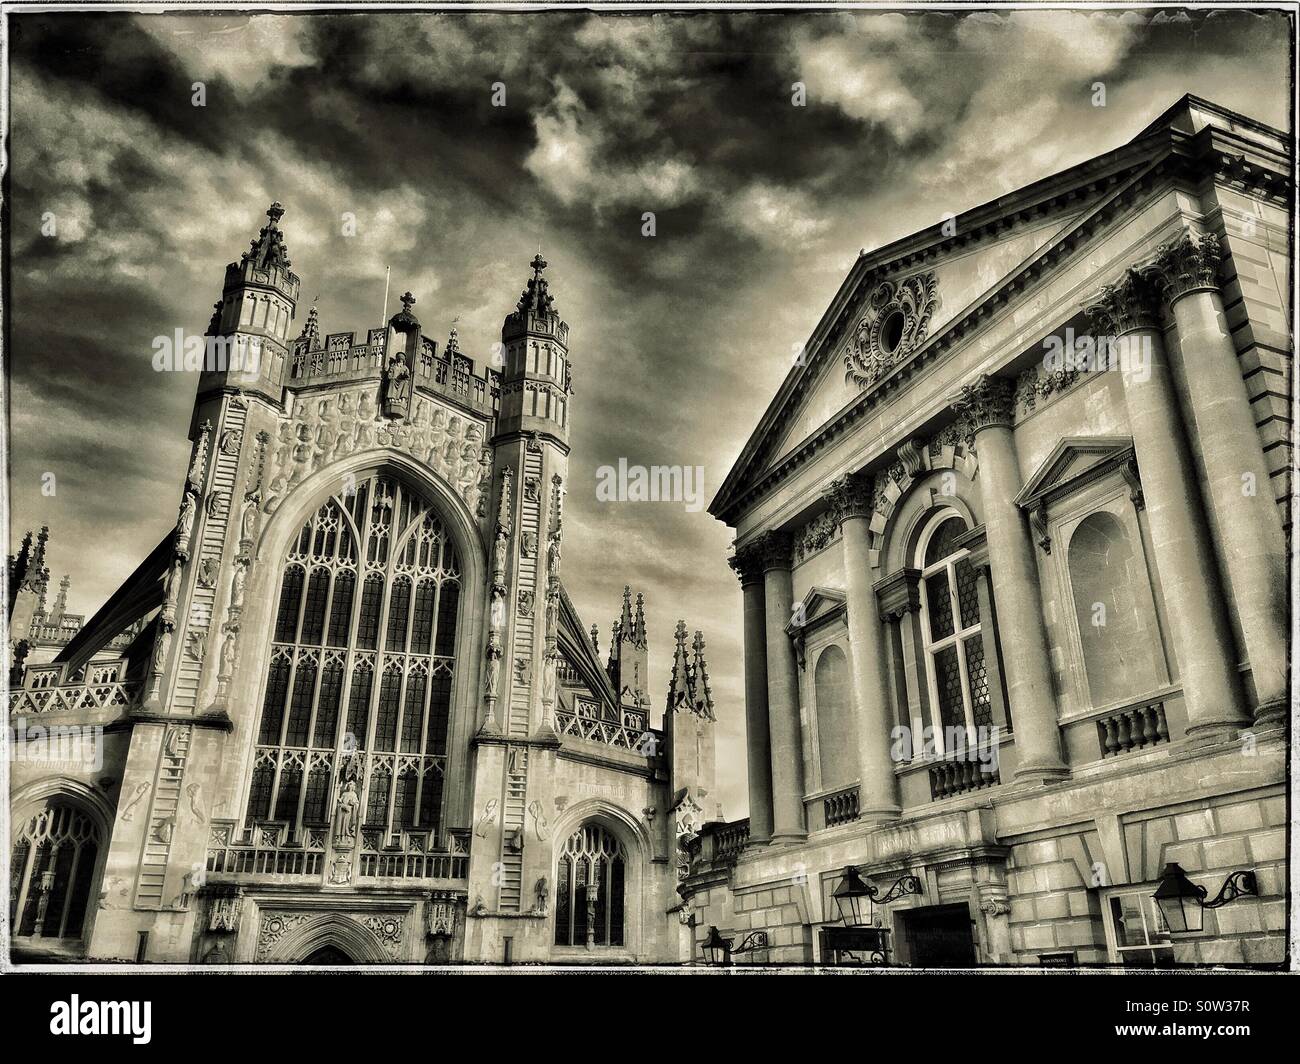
(346, 710)
(1012, 542)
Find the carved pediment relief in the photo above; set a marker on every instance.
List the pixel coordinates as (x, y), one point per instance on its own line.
(893, 324)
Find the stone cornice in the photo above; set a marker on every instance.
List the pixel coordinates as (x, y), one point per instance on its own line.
(976, 542)
(899, 594)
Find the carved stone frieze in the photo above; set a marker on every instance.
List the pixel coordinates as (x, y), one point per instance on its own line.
(350, 422)
(817, 535)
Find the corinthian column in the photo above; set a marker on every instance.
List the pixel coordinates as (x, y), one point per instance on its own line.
(877, 786)
(988, 405)
(1239, 490)
(782, 692)
(748, 564)
(1128, 313)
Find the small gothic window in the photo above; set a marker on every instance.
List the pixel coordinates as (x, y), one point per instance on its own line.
(52, 871)
(1108, 583)
(956, 671)
(372, 567)
(589, 889)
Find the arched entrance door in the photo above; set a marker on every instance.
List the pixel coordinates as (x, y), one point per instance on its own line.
(328, 955)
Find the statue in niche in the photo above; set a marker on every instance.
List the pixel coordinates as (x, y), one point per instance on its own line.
(345, 815)
(237, 588)
(248, 520)
(397, 386)
(499, 547)
(541, 892)
(185, 520)
(228, 654)
(526, 603)
(528, 544)
(493, 671)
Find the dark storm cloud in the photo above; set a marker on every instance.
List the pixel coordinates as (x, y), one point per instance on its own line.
(679, 341)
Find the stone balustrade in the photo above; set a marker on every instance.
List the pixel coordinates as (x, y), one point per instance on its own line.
(1134, 728)
(841, 807)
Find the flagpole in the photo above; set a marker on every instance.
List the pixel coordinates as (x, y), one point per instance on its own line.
(383, 317)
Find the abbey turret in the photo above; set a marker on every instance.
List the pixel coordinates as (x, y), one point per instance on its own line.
(247, 338)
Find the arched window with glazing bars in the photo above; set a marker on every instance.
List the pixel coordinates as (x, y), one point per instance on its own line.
(362, 663)
(52, 870)
(589, 882)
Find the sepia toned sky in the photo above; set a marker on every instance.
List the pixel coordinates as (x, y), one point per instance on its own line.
(679, 340)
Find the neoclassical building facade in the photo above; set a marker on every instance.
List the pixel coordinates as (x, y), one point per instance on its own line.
(1012, 545)
(345, 711)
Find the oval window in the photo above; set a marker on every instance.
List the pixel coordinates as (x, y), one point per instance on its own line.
(891, 332)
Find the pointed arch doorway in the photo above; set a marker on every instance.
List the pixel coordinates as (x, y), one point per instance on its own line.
(327, 955)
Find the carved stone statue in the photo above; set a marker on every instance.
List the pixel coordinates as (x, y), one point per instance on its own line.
(185, 521)
(499, 548)
(541, 893)
(397, 386)
(549, 665)
(345, 815)
(492, 673)
(248, 522)
(237, 582)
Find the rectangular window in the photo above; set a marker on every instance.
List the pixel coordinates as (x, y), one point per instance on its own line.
(1135, 930)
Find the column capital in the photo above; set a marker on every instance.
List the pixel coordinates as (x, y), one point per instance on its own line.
(1130, 304)
(775, 550)
(747, 563)
(899, 594)
(1186, 264)
(988, 402)
(852, 495)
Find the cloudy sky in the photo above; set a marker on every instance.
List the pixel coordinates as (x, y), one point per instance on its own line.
(679, 341)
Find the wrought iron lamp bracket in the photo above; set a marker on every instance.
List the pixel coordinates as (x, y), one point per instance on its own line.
(1238, 884)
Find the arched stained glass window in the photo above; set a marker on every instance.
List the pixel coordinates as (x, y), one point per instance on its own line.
(52, 871)
(369, 569)
(589, 882)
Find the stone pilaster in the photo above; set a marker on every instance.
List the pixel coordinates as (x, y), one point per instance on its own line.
(851, 496)
(1183, 552)
(748, 564)
(898, 599)
(988, 404)
(1231, 462)
(785, 737)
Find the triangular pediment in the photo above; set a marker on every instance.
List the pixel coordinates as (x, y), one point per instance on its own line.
(818, 606)
(982, 261)
(858, 357)
(1072, 462)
